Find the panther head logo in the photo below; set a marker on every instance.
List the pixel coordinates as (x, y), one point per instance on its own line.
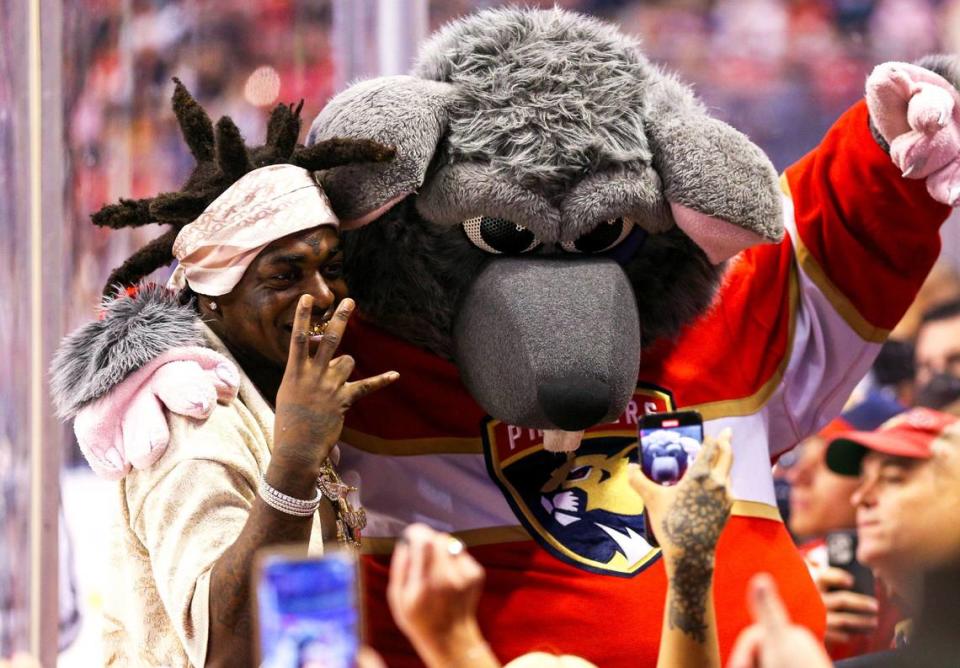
(594, 489)
(578, 506)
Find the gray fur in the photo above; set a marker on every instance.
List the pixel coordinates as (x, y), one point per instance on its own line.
(456, 192)
(556, 122)
(543, 97)
(407, 113)
(132, 331)
(630, 193)
(710, 167)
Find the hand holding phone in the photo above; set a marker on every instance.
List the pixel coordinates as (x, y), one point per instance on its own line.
(847, 589)
(695, 510)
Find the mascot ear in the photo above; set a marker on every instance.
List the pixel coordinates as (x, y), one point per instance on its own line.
(401, 111)
(723, 190)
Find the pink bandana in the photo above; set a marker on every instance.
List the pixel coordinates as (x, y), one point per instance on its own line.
(264, 205)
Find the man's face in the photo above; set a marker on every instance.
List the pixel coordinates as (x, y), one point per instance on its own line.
(819, 498)
(938, 349)
(906, 513)
(256, 317)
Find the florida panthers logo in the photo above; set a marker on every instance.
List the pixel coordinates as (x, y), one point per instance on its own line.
(579, 506)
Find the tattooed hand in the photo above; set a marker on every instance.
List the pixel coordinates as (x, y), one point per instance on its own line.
(688, 518)
(314, 394)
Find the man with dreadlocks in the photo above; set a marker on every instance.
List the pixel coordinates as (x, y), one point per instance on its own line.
(259, 279)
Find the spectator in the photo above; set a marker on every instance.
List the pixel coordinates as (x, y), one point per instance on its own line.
(435, 584)
(893, 372)
(908, 492)
(938, 356)
(773, 641)
(434, 589)
(907, 498)
(820, 504)
(433, 594)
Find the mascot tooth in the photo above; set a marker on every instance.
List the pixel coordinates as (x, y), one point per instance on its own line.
(564, 241)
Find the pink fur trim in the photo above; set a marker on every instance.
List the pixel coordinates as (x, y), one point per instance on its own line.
(128, 425)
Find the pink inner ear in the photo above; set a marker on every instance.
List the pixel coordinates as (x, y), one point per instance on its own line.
(719, 239)
(371, 216)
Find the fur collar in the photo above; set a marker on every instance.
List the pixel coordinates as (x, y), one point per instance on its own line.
(131, 331)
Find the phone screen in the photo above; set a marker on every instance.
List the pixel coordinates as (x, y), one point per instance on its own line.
(307, 612)
(669, 444)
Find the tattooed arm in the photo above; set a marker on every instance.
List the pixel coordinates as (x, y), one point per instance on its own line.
(688, 519)
(311, 402)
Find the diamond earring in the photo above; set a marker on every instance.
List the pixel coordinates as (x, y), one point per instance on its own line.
(213, 306)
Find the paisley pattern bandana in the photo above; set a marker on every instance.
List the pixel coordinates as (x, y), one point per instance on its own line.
(266, 204)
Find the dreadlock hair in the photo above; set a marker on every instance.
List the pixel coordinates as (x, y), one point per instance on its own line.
(221, 159)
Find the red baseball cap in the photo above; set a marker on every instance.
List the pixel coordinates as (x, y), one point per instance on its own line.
(910, 434)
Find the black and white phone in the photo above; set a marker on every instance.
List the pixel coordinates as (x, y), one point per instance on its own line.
(307, 609)
(842, 553)
(669, 444)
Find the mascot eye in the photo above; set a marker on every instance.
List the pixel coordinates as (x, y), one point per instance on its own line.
(499, 236)
(601, 238)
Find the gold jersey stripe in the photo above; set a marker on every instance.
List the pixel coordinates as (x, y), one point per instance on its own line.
(440, 445)
(728, 408)
(758, 509)
(469, 537)
(840, 302)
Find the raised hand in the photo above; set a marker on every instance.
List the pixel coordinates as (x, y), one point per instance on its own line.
(688, 519)
(917, 112)
(314, 394)
(773, 641)
(848, 612)
(433, 593)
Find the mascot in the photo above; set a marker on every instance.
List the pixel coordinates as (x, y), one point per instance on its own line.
(564, 241)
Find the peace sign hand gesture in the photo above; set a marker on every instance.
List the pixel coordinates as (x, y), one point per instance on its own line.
(314, 394)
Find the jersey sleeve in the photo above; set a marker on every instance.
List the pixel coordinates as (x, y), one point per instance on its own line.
(797, 324)
(863, 240)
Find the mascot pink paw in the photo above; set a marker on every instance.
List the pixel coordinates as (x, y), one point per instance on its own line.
(918, 113)
(128, 426)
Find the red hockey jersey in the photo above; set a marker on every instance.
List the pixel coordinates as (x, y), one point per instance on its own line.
(794, 327)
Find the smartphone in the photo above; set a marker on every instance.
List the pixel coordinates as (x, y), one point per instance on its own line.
(669, 444)
(842, 553)
(307, 610)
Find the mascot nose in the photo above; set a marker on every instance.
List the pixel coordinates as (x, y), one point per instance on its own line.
(574, 403)
(549, 343)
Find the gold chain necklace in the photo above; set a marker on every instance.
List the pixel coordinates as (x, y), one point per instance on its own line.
(350, 521)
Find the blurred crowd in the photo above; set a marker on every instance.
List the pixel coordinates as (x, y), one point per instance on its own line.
(867, 545)
(779, 70)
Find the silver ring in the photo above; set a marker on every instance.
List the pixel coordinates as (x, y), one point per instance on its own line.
(454, 547)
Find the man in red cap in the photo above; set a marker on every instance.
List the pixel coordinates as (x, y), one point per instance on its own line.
(858, 622)
(907, 499)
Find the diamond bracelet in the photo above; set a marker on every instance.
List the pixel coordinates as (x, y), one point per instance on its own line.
(285, 503)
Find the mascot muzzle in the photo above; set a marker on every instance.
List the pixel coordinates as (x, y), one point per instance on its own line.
(551, 344)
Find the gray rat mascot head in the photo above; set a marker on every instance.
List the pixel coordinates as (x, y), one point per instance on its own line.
(556, 203)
